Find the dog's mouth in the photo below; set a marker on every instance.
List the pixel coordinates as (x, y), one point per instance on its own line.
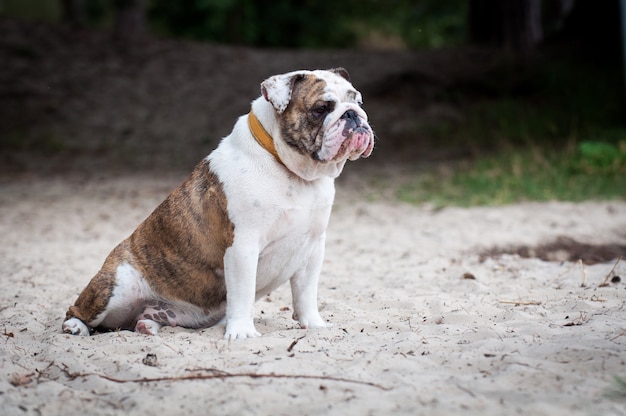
(350, 138)
(358, 143)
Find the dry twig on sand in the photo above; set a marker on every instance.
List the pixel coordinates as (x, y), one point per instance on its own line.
(582, 318)
(212, 373)
(584, 272)
(520, 302)
(608, 275)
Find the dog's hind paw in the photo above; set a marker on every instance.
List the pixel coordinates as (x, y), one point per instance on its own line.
(147, 327)
(75, 326)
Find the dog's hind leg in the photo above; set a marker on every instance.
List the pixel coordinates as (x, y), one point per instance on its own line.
(155, 315)
(111, 300)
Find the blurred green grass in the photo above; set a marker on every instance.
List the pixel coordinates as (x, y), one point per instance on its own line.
(572, 173)
(553, 130)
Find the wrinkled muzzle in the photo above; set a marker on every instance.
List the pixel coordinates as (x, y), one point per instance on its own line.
(350, 137)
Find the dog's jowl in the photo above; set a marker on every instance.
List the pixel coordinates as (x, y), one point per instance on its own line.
(251, 216)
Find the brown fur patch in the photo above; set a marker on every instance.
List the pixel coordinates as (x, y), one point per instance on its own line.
(95, 297)
(179, 249)
(298, 126)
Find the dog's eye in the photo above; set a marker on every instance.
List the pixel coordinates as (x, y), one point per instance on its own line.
(320, 110)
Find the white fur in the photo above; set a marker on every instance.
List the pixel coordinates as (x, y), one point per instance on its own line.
(280, 215)
(147, 327)
(75, 326)
(280, 224)
(277, 89)
(129, 294)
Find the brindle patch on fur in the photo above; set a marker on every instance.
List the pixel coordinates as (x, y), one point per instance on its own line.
(159, 311)
(300, 129)
(187, 237)
(95, 297)
(179, 249)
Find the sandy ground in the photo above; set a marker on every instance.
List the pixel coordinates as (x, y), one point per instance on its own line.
(423, 323)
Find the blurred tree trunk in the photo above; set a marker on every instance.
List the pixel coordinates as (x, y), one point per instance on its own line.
(514, 25)
(130, 19)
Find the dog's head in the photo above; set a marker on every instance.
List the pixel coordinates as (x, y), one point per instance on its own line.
(319, 116)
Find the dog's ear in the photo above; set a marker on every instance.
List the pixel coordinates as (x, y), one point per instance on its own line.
(277, 89)
(341, 72)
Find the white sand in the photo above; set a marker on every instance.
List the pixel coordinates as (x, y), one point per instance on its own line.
(427, 341)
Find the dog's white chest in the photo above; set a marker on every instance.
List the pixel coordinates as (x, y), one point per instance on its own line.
(278, 216)
(299, 230)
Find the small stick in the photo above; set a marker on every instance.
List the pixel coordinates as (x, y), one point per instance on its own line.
(584, 272)
(520, 302)
(293, 344)
(466, 390)
(218, 374)
(582, 319)
(608, 276)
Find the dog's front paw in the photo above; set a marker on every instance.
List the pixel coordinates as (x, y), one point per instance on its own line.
(75, 326)
(240, 328)
(310, 322)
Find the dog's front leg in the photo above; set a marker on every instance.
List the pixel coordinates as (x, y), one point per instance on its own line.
(304, 290)
(240, 267)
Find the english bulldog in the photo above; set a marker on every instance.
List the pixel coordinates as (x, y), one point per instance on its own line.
(251, 216)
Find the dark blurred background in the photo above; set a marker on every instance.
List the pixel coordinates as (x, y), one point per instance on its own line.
(120, 86)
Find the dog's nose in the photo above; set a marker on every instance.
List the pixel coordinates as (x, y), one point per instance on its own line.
(351, 115)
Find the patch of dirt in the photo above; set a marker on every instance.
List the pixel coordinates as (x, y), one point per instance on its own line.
(565, 249)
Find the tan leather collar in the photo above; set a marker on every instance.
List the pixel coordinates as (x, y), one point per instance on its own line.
(262, 136)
